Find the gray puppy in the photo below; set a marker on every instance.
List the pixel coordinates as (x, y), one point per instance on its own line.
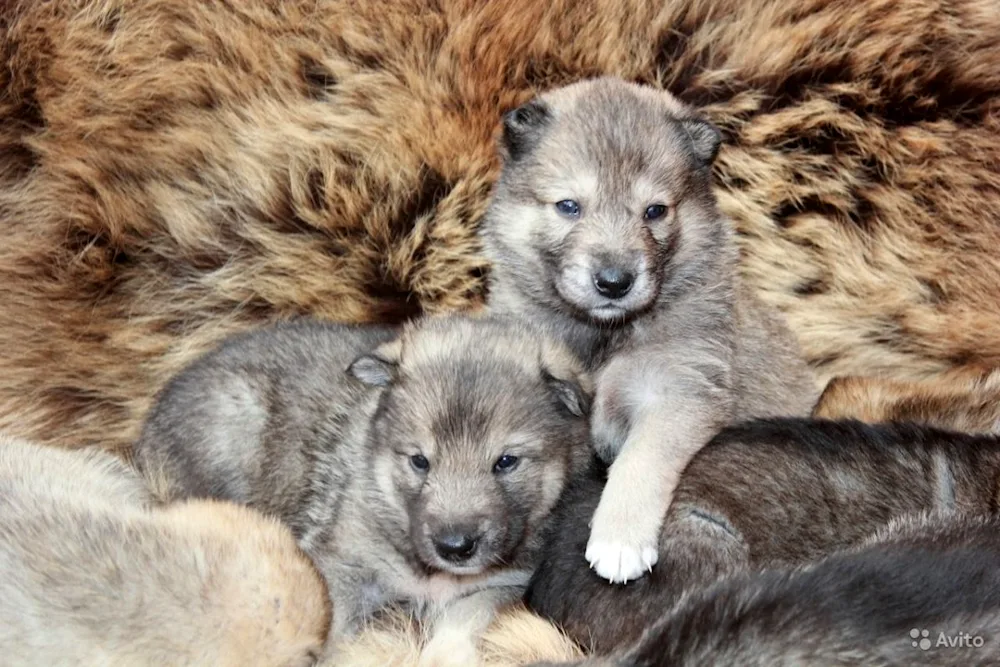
(415, 467)
(604, 227)
(924, 592)
(767, 493)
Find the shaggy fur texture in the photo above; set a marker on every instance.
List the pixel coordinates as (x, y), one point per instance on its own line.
(965, 399)
(173, 171)
(517, 637)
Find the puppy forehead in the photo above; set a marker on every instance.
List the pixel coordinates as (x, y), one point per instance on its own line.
(479, 350)
(481, 389)
(632, 161)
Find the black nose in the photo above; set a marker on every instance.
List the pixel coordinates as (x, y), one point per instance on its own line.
(456, 546)
(613, 283)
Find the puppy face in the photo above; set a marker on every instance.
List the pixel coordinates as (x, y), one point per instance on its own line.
(480, 424)
(601, 181)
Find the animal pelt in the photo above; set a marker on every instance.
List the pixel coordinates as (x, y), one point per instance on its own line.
(963, 399)
(174, 171)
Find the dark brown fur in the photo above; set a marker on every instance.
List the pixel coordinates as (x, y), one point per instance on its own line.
(767, 493)
(172, 171)
(934, 580)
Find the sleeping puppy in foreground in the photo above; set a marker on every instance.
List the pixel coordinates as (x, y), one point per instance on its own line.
(923, 592)
(96, 574)
(768, 493)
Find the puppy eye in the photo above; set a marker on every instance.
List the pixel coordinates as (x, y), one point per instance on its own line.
(420, 463)
(655, 212)
(568, 207)
(506, 463)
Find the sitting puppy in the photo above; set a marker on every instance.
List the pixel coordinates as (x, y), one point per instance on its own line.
(604, 227)
(415, 468)
(924, 592)
(766, 493)
(95, 574)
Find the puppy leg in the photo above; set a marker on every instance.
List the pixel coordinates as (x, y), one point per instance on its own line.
(457, 627)
(626, 526)
(667, 403)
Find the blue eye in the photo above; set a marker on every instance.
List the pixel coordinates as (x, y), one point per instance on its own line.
(655, 212)
(420, 463)
(568, 207)
(506, 463)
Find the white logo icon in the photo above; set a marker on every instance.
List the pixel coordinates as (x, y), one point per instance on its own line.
(924, 643)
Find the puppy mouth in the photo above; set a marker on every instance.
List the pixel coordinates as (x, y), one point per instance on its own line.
(434, 564)
(605, 314)
(609, 312)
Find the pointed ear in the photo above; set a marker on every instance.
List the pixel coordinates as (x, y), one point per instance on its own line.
(379, 368)
(569, 383)
(522, 127)
(705, 139)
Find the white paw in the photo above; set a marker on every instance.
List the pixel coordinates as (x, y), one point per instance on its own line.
(449, 650)
(620, 563)
(623, 545)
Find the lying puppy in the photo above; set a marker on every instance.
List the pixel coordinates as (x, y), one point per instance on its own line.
(963, 399)
(766, 493)
(924, 592)
(94, 574)
(415, 468)
(604, 227)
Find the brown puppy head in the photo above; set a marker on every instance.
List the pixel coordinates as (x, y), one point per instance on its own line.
(604, 182)
(481, 421)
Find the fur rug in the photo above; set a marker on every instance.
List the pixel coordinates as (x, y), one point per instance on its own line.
(174, 171)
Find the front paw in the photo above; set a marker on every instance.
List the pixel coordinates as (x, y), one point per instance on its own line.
(621, 550)
(449, 650)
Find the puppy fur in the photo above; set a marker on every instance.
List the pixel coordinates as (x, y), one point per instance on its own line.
(965, 399)
(95, 574)
(378, 447)
(516, 637)
(766, 493)
(603, 181)
(864, 607)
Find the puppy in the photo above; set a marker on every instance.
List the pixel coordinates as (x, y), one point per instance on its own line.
(604, 228)
(416, 468)
(924, 592)
(95, 574)
(767, 493)
(963, 399)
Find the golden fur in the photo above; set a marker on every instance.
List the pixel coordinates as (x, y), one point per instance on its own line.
(95, 573)
(174, 171)
(517, 637)
(965, 399)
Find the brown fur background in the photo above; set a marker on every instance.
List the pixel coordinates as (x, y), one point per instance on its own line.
(173, 171)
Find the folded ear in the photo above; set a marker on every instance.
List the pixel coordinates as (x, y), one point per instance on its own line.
(705, 139)
(379, 368)
(522, 127)
(569, 383)
(571, 395)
